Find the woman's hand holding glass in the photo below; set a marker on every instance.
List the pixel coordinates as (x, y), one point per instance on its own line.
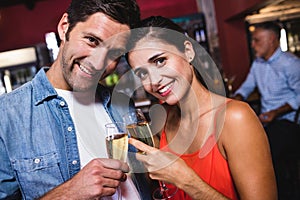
(139, 129)
(163, 166)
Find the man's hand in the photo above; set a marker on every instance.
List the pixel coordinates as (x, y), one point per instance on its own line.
(272, 114)
(267, 117)
(100, 177)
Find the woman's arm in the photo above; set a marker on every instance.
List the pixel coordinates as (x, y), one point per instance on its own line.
(245, 145)
(168, 167)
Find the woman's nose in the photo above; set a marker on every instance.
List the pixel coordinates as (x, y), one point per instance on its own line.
(155, 77)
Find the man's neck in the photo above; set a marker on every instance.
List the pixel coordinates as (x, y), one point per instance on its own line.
(270, 53)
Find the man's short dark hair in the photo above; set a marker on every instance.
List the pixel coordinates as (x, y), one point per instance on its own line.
(124, 12)
(271, 26)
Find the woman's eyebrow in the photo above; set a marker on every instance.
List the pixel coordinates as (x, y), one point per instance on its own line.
(154, 57)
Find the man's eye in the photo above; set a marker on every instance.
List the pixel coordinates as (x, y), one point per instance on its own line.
(141, 73)
(92, 40)
(160, 62)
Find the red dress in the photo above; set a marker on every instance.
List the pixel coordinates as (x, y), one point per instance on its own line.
(212, 168)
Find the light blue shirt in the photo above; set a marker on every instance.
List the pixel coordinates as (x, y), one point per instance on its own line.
(38, 145)
(278, 81)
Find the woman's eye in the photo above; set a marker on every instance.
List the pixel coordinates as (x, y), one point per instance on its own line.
(160, 62)
(142, 73)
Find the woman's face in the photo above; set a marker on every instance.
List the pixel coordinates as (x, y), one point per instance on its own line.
(164, 71)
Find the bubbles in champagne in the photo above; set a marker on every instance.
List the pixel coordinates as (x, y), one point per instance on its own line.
(117, 146)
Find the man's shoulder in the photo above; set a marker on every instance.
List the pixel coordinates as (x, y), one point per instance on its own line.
(290, 56)
(24, 93)
(19, 93)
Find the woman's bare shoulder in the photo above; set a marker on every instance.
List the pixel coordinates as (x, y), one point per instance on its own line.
(240, 118)
(241, 126)
(239, 110)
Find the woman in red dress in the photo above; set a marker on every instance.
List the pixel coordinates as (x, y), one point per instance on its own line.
(211, 147)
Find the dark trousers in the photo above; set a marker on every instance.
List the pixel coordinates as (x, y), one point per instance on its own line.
(284, 139)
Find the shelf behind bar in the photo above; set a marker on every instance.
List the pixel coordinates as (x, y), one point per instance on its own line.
(18, 57)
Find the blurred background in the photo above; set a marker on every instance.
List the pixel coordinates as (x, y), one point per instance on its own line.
(28, 41)
(28, 36)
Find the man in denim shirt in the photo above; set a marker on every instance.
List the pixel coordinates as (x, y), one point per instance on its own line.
(43, 151)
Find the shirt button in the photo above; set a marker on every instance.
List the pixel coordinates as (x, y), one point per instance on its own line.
(62, 103)
(70, 128)
(37, 161)
(74, 162)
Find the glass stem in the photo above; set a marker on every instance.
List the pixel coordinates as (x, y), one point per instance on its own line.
(119, 191)
(163, 189)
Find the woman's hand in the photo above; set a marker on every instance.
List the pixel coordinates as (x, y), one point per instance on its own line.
(161, 165)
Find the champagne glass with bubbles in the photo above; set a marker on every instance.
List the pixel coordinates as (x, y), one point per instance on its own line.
(138, 128)
(117, 144)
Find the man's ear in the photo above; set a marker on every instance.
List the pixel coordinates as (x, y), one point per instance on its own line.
(63, 26)
(189, 51)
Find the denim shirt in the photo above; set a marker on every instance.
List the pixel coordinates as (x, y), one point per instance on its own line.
(38, 146)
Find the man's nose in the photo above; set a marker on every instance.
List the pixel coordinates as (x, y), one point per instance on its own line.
(99, 58)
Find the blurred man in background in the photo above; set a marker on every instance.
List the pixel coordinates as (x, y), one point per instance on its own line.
(276, 75)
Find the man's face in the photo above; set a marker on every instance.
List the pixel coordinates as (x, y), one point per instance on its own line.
(92, 51)
(263, 43)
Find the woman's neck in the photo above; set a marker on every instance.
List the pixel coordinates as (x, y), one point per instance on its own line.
(196, 101)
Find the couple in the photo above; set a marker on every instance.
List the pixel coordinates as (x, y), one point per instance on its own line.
(216, 148)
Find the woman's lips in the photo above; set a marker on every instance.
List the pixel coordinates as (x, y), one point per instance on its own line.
(166, 89)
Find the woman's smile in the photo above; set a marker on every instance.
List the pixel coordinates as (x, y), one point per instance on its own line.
(165, 90)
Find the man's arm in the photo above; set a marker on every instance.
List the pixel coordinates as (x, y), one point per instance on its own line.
(247, 86)
(292, 75)
(9, 188)
(271, 115)
(238, 97)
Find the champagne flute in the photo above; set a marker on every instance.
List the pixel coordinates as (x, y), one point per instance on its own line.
(117, 144)
(138, 128)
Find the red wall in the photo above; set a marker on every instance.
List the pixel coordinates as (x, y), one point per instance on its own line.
(21, 27)
(167, 8)
(230, 16)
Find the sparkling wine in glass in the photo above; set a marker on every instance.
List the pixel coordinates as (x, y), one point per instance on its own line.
(138, 128)
(117, 144)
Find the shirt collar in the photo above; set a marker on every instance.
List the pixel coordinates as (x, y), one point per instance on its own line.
(274, 56)
(43, 88)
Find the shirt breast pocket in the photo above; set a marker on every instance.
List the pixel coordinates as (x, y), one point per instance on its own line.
(38, 175)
